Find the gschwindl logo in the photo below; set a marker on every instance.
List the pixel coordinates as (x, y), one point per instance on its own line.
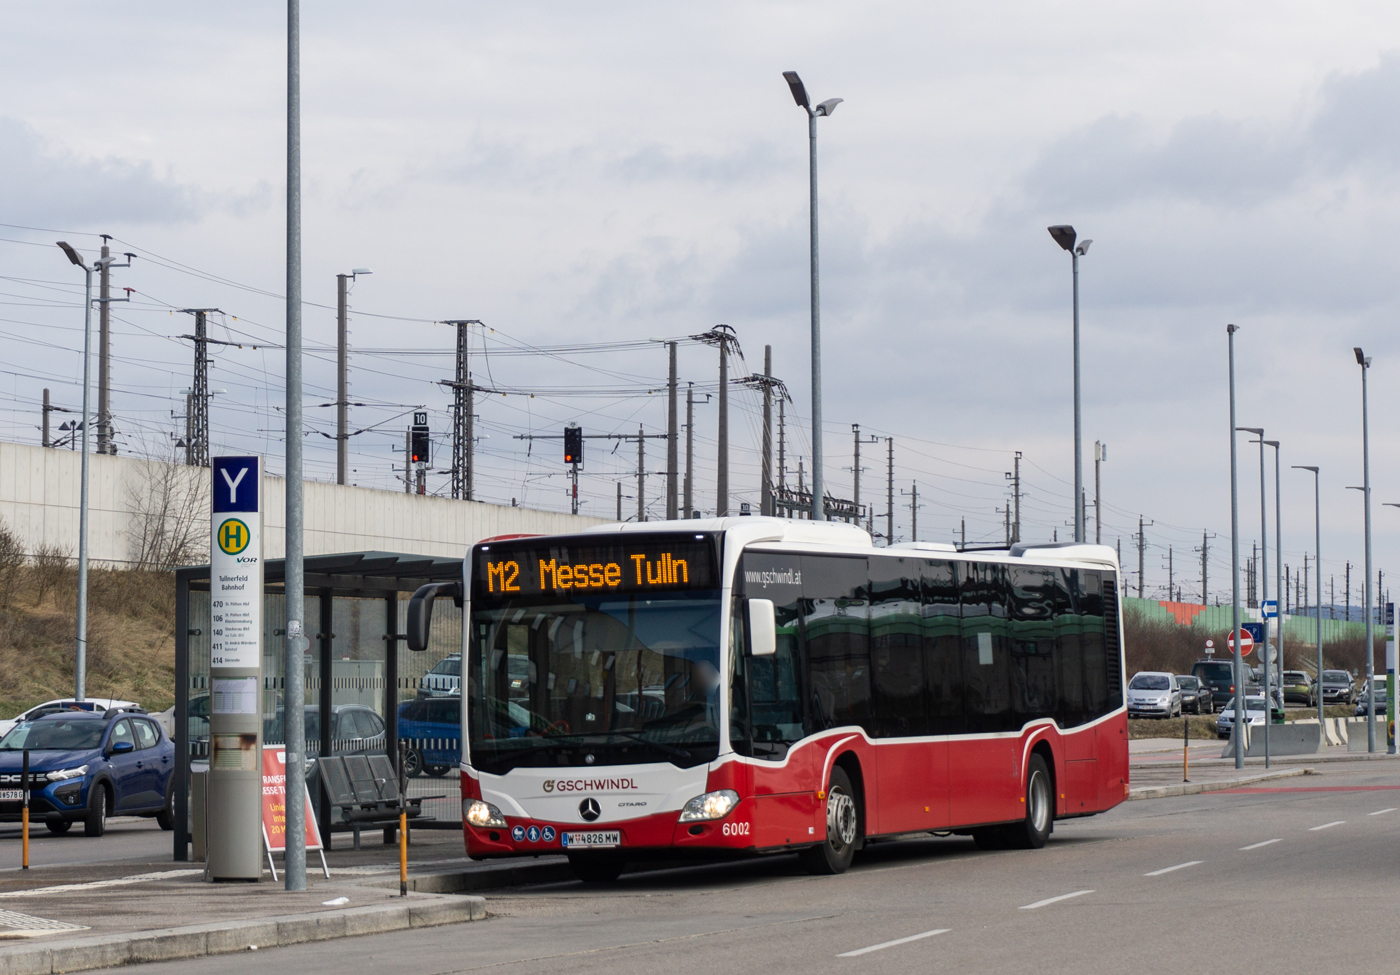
(234, 537)
(548, 785)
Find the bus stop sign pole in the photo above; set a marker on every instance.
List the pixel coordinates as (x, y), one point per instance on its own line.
(234, 817)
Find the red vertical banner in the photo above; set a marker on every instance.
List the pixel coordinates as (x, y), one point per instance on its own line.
(274, 803)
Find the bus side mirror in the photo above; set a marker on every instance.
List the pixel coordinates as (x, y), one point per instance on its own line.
(763, 628)
(420, 610)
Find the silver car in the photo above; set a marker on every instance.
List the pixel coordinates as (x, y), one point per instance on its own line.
(1255, 714)
(1154, 694)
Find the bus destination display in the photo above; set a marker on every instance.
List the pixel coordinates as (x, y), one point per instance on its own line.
(511, 569)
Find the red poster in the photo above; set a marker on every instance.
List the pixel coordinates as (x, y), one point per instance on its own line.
(274, 803)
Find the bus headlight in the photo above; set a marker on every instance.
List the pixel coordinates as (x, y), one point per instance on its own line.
(711, 805)
(480, 813)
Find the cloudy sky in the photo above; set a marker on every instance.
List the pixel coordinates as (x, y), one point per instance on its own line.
(574, 174)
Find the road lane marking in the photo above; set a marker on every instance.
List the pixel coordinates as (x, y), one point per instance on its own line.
(138, 878)
(890, 944)
(1314, 829)
(1179, 866)
(1255, 846)
(1251, 791)
(1379, 812)
(1053, 900)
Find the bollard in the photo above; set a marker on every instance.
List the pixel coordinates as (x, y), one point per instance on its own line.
(403, 822)
(1186, 749)
(24, 808)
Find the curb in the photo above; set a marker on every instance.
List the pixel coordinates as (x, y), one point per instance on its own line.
(1192, 788)
(1258, 760)
(224, 937)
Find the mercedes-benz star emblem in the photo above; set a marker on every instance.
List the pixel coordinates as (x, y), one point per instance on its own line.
(589, 809)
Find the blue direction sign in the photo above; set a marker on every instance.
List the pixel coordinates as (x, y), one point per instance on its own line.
(1270, 609)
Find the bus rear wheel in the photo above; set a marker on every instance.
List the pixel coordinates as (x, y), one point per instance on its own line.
(1032, 832)
(834, 855)
(596, 868)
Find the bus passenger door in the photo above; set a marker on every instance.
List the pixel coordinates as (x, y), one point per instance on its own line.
(911, 770)
(986, 764)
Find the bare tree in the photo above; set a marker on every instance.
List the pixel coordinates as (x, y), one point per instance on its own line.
(50, 564)
(11, 558)
(167, 504)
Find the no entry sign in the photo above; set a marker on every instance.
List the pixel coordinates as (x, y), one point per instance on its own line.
(1246, 642)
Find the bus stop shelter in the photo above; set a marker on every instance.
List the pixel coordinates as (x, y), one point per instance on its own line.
(357, 669)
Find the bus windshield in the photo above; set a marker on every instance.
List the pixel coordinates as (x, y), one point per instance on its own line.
(583, 679)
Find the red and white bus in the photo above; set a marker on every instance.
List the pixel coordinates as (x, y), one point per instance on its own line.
(761, 685)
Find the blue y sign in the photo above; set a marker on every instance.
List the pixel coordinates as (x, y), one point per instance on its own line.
(236, 483)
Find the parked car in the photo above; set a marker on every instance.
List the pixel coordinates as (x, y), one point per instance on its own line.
(1253, 711)
(355, 729)
(432, 730)
(1218, 676)
(1195, 696)
(445, 677)
(1337, 687)
(85, 766)
(198, 721)
(1362, 699)
(1153, 694)
(65, 704)
(1298, 686)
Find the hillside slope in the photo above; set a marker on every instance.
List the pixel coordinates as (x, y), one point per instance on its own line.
(131, 637)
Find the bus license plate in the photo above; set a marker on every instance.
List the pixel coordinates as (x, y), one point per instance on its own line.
(11, 795)
(598, 839)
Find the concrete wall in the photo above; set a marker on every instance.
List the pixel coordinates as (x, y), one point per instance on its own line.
(39, 496)
(1214, 619)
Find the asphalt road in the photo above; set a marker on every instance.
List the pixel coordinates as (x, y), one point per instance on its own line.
(1154, 886)
(128, 839)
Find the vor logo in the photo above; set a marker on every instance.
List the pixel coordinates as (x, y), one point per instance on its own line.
(548, 785)
(234, 537)
(589, 809)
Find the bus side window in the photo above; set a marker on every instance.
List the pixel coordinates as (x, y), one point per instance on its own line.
(942, 641)
(1034, 593)
(986, 678)
(896, 658)
(774, 694)
(837, 636)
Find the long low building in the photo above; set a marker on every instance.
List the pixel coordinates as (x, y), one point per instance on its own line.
(141, 510)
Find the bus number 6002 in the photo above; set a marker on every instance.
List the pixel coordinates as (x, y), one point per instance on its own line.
(736, 829)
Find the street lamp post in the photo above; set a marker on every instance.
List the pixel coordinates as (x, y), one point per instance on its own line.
(80, 656)
(1263, 651)
(1230, 330)
(799, 95)
(1364, 361)
(1317, 562)
(1065, 236)
(1278, 602)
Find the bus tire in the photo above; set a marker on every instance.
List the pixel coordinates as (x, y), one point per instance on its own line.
(596, 868)
(834, 855)
(1034, 830)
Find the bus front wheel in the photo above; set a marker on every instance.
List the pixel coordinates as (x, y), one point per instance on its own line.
(842, 829)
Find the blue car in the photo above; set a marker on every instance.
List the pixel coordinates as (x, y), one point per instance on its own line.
(86, 766)
(432, 729)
